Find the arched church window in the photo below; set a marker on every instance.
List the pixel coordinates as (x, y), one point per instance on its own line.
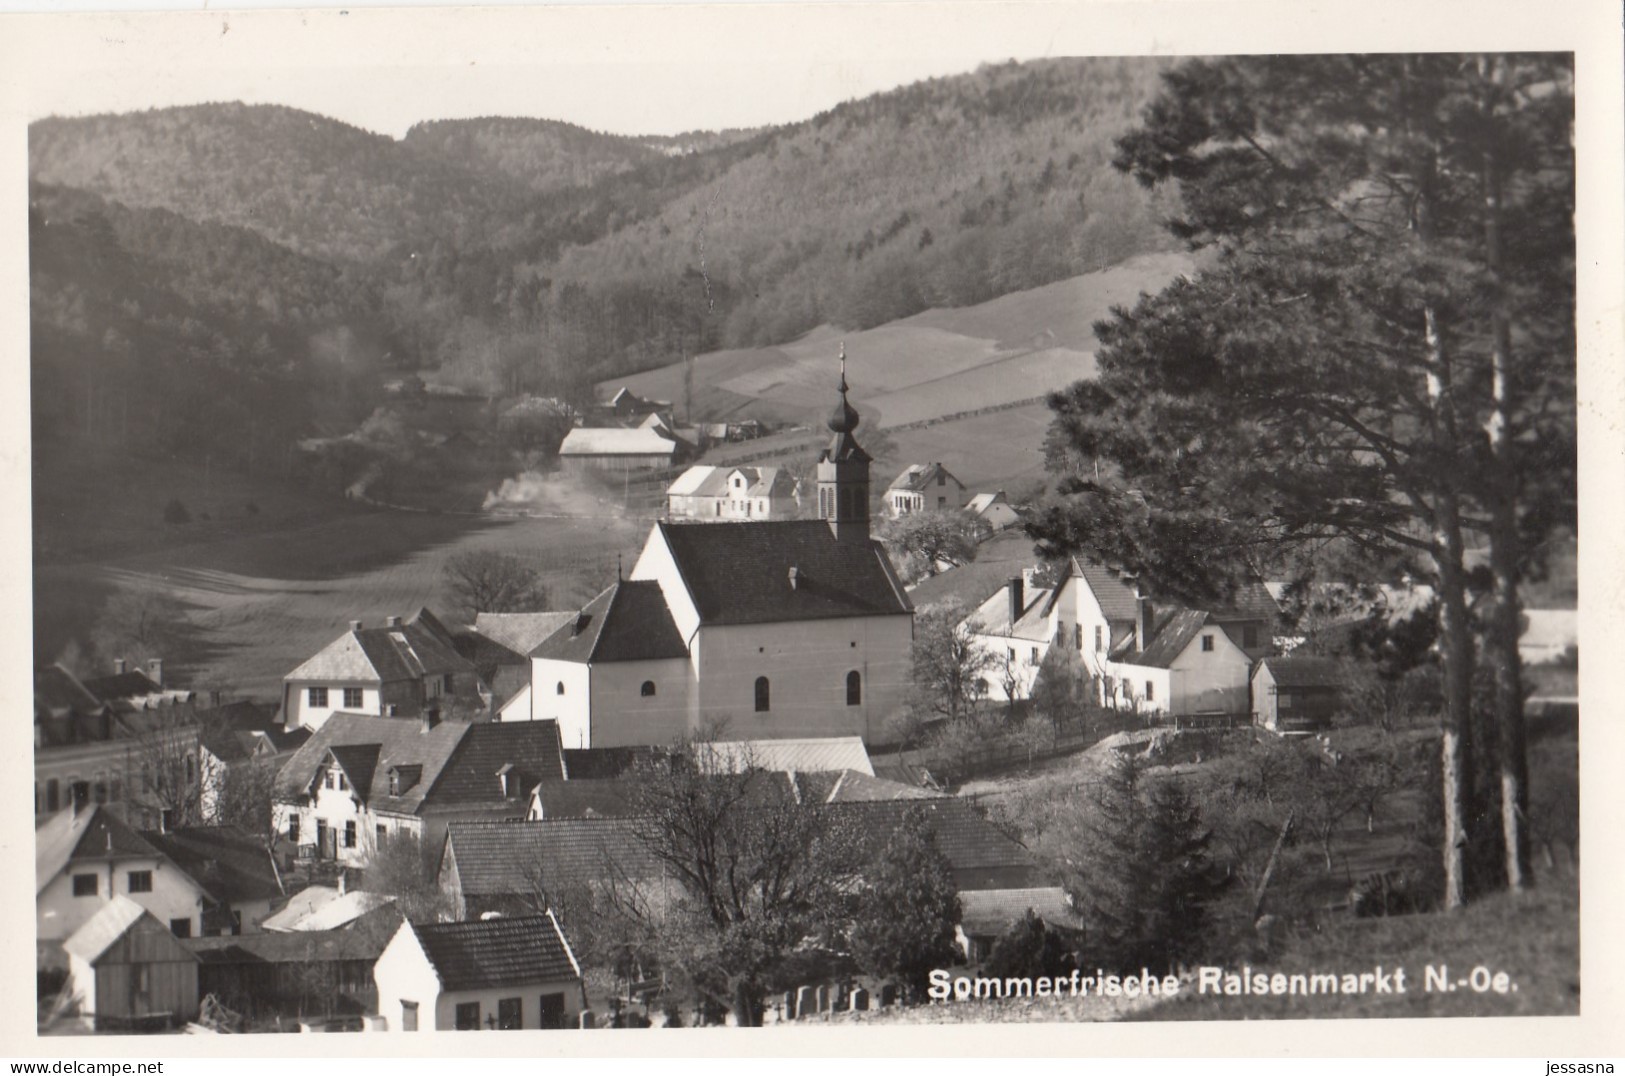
(764, 699)
(854, 688)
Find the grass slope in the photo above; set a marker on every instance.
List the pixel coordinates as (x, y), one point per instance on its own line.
(936, 363)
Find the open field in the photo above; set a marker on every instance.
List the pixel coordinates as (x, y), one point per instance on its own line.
(935, 363)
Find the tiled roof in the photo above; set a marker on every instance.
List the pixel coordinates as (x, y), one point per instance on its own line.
(470, 778)
(992, 617)
(1174, 633)
(125, 685)
(707, 481)
(401, 741)
(993, 911)
(918, 476)
(969, 841)
(615, 441)
(417, 648)
(230, 865)
(341, 911)
(981, 502)
(998, 559)
(58, 690)
(504, 858)
(740, 573)
(603, 797)
(498, 952)
(1304, 671)
(603, 762)
(627, 622)
(300, 907)
(359, 761)
(520, 632)
(98, 933)
(690, 481)
(830, 754)
(1251, 601)
(1116, 598)
(88, 833)
(854, 786)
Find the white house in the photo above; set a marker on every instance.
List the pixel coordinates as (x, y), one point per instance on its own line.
(402, 668)
(995, 508)
(1190, 666)
(501, 974)
(790, 628)
(85, 857)
(363, 779)
(733, 493)
(924, 487)
(1014, 627)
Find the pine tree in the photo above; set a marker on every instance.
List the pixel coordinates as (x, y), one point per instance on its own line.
(905, 919)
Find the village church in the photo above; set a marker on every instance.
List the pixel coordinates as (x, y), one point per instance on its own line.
(776, 628)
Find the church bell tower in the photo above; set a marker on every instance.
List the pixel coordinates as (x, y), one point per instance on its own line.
(843, 473)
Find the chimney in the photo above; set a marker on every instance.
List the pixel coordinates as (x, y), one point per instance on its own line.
(392, 622)
(155, 671)
(119, 666)
(794, 576)
(355, 625)
(1144, 620)
(1018, 601)
(431, 718)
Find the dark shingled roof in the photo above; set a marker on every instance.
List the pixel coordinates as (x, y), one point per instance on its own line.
(470, 776)
(602, 797)
(970, 842)
(87, 833)
(627, 622)
(599, 762)
(501, 858)
(1251, 601)
(1174, 633)
(363, 939)
(1304, 671)
(1116, 597)
(360, 762)
(739, 573)
(228, 863)
(498, 952)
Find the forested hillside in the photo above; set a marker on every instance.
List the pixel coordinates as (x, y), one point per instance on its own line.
(215, 282)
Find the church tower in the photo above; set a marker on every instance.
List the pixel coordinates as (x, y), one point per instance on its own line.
(843, 473)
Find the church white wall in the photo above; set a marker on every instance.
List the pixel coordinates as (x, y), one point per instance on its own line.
(806, 663)
(573, 708)
(621, 715)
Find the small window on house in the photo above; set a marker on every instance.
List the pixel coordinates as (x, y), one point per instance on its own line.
(854, 688)
(764, 696)
(140, 881)
(1035, 655)
(344, 783)
(1077, 633)
(380, 835)
(293, 828)
(349, 834)
(1207, 644)
(560, 688)
(409, 1016)
(318, 696)
(508, 1016)
(1011, 653)
(181, 928)
(1100, 639)
(1150, 692)
(352, 698)
(648, 689)
(84, 885)
(468, 1016)
(328, 780)
(445, 683)
(942, 502)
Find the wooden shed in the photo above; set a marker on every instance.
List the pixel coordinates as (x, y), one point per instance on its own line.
(1296, 695)
(126, 971)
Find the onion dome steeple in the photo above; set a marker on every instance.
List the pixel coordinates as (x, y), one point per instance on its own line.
(843, 472)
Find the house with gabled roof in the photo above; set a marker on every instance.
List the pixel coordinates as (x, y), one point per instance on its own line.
(733, 493)
(363, 779)
(234, 869)
(512, 868)
(995, 508)
(1296, 695)
(503, 974)
(86, 856)
(924, 487)
(778, 628)
(400, 667)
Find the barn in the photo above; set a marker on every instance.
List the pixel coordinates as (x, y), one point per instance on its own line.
(1296, 696)
(127, 972)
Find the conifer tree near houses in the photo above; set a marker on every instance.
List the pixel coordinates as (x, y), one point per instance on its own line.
(1382, 352)
(905, 917)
